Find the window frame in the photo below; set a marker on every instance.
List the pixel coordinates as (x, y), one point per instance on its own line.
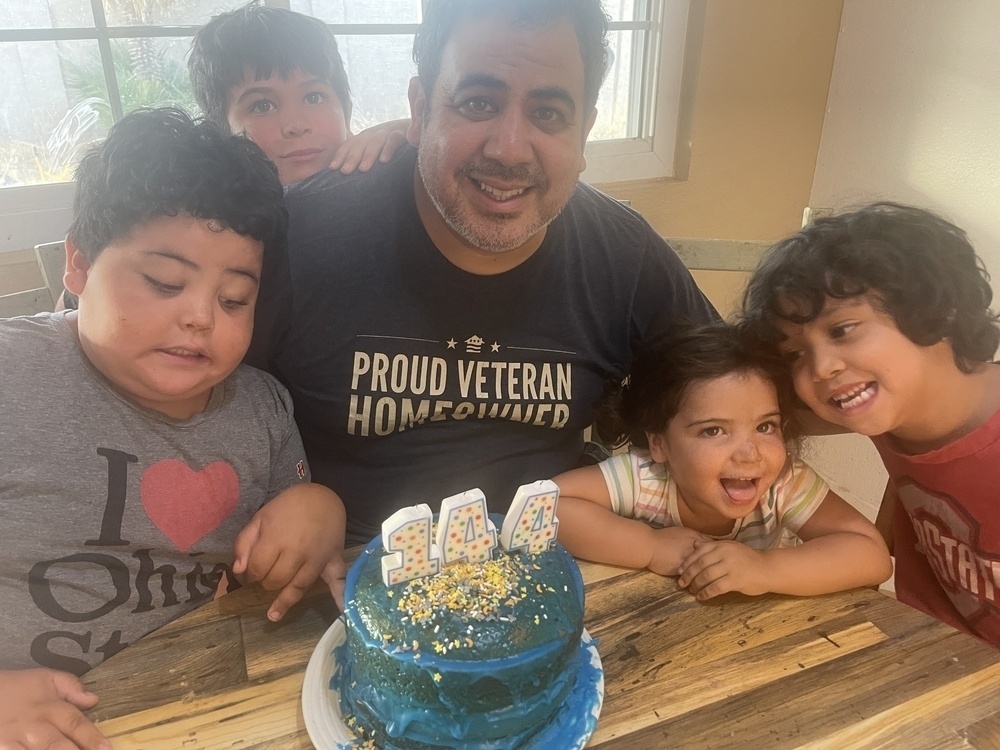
(658, 152)
(29, 212)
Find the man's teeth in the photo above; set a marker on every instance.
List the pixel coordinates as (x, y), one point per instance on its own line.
(500, 195)
(855, 397)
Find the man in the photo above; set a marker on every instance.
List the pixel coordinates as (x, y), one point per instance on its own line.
(457, 312)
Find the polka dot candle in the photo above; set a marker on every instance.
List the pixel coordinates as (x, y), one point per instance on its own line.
(406, 536)
(531, 524)
(464, 531)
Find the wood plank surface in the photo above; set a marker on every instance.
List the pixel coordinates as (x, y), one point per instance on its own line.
(849, 670)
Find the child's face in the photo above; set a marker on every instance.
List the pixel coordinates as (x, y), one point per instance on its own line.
(297, 121)
(853, 367)
(724, 449)
(166, 313)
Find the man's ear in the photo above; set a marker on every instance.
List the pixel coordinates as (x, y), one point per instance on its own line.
(418, 108)
(77, 268)
(658, 446)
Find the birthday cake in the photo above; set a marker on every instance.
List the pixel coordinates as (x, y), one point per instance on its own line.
(481, 654)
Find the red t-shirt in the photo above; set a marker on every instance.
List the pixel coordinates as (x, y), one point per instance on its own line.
(946, 527)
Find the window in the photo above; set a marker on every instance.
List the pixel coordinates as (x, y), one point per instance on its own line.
(636, 129)
(70, 68)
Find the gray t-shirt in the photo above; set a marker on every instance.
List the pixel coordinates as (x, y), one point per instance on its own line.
(115, 519)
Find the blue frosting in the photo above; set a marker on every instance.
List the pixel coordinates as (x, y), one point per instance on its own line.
(504, 684)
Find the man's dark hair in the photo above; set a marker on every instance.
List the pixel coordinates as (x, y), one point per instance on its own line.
(663, 372)
(266, 41)
(442, 17)
(922, 270)
(159, 162)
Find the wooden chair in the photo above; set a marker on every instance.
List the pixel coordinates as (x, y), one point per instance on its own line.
(28, 302)
(51, 262)
(51, 257)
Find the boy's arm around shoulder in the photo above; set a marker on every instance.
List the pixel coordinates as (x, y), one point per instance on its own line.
(591, 530)
(377, 143)
(43, 708)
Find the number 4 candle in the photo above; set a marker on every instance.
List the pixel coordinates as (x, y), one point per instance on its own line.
(464, 530)
(531, 524)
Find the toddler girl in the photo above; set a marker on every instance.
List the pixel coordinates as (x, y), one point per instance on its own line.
(707, 491)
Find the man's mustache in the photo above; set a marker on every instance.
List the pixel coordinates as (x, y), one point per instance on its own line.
(521, 174)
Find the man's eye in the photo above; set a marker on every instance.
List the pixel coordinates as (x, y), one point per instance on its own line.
(261, 107)
(548, 114)
(479, 106)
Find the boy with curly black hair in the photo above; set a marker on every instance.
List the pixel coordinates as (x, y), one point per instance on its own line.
(884, 317)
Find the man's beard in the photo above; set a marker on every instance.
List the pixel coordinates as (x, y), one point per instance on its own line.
(487, 233)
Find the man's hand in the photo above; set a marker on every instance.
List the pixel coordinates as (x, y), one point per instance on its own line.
(671, 546)
(377, 143)
(295, 538)
(42, 708)
(716, 567)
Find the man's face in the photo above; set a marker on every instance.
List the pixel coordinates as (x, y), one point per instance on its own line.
(166, 313)
(501, 135)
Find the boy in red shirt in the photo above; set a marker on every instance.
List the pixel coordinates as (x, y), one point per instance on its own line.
(884, 316)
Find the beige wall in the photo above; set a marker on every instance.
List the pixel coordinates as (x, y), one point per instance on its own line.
(913, 111)
(763, 78)
(756, 114)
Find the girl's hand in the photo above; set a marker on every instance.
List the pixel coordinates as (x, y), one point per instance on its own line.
(671, 546)
(716, 567)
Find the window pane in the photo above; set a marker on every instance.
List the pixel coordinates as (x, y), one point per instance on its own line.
(379, 69)
(622, 10)
(614, 103)
(360, 11)
(45, 14)
(165, 12)
(48, 114)
(152, 72)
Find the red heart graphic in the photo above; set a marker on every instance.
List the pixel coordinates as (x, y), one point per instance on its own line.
(185, 504)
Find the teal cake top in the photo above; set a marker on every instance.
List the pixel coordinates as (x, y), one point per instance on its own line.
(469, 612)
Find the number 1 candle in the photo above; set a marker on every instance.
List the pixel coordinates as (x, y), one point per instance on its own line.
(406, 537)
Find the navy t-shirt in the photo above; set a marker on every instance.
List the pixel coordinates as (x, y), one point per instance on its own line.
(414, 380)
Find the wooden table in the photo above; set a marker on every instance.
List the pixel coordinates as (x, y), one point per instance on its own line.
(849, 670)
